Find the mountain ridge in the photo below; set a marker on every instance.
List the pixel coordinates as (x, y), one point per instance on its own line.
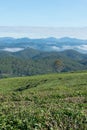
(44, 44)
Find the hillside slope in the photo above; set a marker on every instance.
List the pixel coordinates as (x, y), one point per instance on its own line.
(31, 62)
(47, 102)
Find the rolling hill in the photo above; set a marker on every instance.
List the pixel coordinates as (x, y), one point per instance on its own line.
(31, 62)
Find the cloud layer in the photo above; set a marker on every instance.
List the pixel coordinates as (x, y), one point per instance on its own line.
(41, 32)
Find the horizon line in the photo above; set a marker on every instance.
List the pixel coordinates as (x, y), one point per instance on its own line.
(67, 37)
(43, 26)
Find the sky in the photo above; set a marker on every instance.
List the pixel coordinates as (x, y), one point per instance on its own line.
(37, 18)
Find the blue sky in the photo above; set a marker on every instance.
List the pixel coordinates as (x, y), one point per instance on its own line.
(43, 13)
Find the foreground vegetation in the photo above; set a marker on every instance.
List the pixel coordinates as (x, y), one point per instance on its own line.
(47, 102)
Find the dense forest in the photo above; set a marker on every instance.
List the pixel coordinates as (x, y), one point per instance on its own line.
(31, 62)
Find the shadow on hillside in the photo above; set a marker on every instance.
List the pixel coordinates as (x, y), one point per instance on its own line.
(30, 85)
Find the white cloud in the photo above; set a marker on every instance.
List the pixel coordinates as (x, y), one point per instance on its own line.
(55, 48)
(82, 47)
(13, 49)
(67, 47)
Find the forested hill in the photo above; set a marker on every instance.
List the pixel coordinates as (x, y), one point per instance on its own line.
(31, 62)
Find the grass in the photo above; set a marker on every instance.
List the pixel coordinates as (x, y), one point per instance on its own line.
(47, 102)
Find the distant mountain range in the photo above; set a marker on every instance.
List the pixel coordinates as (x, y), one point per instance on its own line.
(43, 44)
